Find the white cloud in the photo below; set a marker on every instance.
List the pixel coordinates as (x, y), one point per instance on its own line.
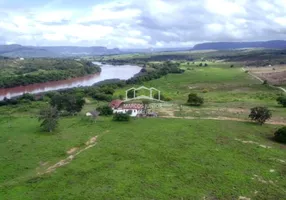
(54, 37)
(281, 21)
(158, 23)
(109, 11)
(226, 7)
(136, 41)
(54, 16)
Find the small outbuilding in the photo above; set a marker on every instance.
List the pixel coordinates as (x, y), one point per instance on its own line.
(93, 114)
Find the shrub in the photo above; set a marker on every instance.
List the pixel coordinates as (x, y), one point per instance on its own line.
(260, 114)
(121, 97)
(282, 100)
(162, 97)
(121, 117)
(195, 100)
(231, 66)
(6, 101)
(280, 135)
(167, 99)
(205, 91)
(27, 96)
(105, 110)
(265, 82)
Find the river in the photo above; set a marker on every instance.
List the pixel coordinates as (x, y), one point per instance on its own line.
(122, 72)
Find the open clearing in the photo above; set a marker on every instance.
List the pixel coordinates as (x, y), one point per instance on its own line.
(143, 159)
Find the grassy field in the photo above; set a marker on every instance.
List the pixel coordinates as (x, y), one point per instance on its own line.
(143, 159)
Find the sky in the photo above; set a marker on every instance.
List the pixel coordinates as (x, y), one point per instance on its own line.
(139, 23)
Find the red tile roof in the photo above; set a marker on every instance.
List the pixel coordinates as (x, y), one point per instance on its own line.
(115, 103)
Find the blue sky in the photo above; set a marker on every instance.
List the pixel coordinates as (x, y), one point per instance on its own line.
(139, 23)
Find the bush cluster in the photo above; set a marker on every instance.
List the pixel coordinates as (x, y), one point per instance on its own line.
(195, 100)
(280, 135)
(282, 100)
(104, 110)
(121, 117)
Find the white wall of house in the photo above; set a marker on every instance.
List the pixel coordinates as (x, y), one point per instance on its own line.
(134, 113)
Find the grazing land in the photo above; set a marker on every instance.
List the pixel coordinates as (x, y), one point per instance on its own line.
(143, 159)
(207, 152)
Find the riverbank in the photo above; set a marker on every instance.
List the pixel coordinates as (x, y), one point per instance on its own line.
(108, 72)
(15, 73)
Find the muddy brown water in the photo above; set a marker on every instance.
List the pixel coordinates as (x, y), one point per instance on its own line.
(122, 72)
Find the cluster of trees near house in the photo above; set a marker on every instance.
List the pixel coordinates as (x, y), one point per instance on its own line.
(32, 71)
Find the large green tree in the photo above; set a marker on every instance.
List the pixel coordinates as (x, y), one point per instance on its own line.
(70, 103)
(74, 104)
(260, 114)
(49, 118)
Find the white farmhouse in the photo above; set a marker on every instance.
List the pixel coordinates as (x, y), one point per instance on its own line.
(133, 109)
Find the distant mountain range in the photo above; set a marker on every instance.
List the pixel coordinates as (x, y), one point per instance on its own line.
(16, 50)
(274, 44)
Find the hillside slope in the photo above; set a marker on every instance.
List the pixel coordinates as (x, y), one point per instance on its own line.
(16, 50)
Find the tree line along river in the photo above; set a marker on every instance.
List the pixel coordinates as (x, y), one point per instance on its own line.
(122, 72)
